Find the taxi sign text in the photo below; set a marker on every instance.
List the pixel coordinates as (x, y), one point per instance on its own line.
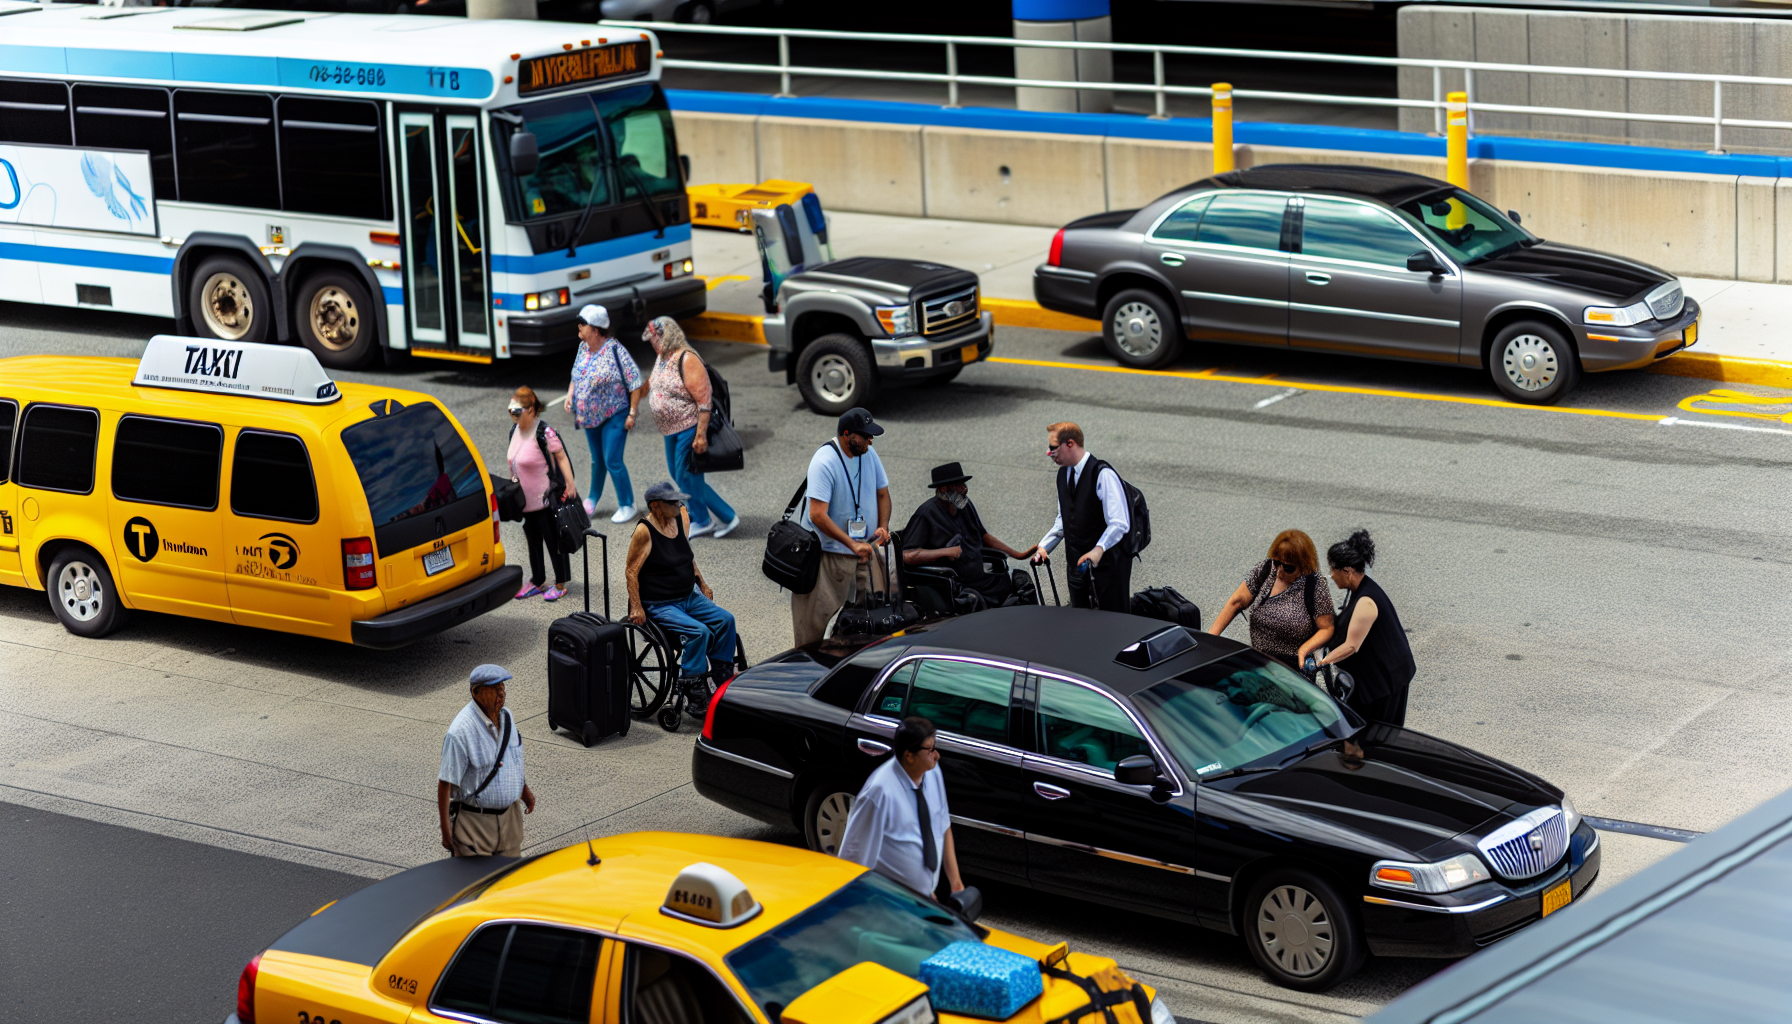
(539, 74)
(285, 373)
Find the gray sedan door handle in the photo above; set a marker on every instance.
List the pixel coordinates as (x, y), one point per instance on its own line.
(872, 748)
(1049, 791)
(1172, 259)
(1315, 277)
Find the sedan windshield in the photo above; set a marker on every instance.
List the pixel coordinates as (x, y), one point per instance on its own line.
(1240, 712)
(872, 918)
(1467, 228)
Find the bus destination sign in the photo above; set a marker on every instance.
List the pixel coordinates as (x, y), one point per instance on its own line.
(541, 74)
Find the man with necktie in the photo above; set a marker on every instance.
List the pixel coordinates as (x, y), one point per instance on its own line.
(900, 826)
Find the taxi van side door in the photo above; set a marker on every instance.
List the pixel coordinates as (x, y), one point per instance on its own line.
(10, 571)
(284, 564)
(524, 973)
(163, 501)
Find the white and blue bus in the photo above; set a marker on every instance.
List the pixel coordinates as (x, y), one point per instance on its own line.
(358, 184)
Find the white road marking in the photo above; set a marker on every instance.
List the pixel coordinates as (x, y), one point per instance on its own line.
(1675, 421)
(1273, 399)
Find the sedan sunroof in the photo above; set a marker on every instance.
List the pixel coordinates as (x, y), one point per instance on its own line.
(1157, 648)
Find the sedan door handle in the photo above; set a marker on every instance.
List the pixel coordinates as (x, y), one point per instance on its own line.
(872, 748)
(1172, 259)
(1049, 791)
(1315, 277)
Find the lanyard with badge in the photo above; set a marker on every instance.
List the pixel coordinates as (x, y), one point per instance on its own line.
(855, 527)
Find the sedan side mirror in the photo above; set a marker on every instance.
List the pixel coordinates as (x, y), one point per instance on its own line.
(524, 156)
(1137, 770)
(1423, 262)
(1513, 214)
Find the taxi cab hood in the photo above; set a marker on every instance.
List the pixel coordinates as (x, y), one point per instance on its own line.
(362, 927)
(1404, 795)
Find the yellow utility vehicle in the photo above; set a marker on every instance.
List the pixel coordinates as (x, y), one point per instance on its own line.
(732, 206)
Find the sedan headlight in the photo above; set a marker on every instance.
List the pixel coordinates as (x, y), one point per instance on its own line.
(898, 320)
(1160, 1013)
(1570, 816)
(1444, 876)
(1615, 316)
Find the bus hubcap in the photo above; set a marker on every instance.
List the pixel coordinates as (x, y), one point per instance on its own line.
(228, 311)
(335, 322)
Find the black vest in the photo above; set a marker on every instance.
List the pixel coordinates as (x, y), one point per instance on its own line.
(1084, 519)
(1383, 665)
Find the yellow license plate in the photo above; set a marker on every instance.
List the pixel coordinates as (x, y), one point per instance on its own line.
(1692, 332)
(969, 355)
(1558, 897)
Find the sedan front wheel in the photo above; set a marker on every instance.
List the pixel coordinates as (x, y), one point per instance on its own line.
(1531, 362)
(1301, 932)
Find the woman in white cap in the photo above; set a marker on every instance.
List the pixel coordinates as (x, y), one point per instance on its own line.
(606, 390)
(678, 389)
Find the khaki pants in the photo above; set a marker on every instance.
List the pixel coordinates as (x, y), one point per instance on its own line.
(482, 835)
(834, 584)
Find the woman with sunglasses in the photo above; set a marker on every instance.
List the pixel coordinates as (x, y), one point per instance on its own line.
(529, 438)
(1289, 605)
(678, 390)
(1374, 649)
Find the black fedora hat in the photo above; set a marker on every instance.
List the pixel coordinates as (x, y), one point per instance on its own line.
(950, 473)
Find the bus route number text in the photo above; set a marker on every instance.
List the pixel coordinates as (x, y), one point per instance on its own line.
(444, 78)
(348, 74)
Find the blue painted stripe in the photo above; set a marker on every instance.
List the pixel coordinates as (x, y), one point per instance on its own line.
(232, 69)
(1059, 10)
(393, 296)
(226, 69)
(594, 252)
(42, 60)
(1301, 136)
(119, 63)
(163, 265)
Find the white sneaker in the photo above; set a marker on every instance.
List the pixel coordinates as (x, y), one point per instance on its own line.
(703, 531)
(623, 514)
(726, 530)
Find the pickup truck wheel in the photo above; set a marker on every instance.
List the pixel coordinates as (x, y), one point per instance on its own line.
(1141, 329)
(835, 374)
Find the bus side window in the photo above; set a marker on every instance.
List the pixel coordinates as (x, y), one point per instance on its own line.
(225, 145)
(36, 112)
(270, 478)
(332, 157)
(128, 117)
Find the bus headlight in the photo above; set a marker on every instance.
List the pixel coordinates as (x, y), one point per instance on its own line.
(546, 300)
(677, 269)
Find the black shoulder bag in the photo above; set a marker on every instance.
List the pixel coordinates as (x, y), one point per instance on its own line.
(792, 552)
(570, 520)
(724, 451)
(503, 745)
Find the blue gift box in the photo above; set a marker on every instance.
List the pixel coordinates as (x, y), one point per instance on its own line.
(981, 981)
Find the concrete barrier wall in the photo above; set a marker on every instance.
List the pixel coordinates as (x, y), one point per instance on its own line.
(878, 165)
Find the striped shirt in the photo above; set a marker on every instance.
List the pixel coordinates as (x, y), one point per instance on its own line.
(468, 751)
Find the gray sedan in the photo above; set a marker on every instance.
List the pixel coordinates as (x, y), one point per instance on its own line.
(1362, 261)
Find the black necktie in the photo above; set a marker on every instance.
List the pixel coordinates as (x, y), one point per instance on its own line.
(930, 857)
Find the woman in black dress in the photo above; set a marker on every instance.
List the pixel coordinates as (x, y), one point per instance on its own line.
(1371, 645)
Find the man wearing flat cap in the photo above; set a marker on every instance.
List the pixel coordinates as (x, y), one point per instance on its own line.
(480, 792)
(947, 531)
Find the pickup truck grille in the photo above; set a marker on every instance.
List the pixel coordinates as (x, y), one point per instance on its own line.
(948, 312)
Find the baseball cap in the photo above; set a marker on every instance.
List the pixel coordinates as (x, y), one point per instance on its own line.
(595, 315)
(666, 490)
(859, 421)
(488, 675)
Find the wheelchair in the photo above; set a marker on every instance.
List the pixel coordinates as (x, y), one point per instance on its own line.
(935, 592)
(654, 658)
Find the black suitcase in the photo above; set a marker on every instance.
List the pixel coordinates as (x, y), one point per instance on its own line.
(588, 666)
(1166, 604)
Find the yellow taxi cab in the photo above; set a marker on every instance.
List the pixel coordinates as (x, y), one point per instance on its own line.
(660, 928)
(237, 482)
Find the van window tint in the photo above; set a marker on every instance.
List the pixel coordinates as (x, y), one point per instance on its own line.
(9, 415)
(225, 142)
(1248, 220)
(410, 462)
(167, 462)
(34, 112)
(128, 117)
(526, 974)
(332, 157)
(270, 478)
(56, 446)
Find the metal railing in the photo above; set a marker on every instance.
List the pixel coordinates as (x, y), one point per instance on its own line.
(1161, 89)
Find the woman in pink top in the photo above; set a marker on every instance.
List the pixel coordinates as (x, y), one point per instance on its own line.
(530, 470)
(678, 390)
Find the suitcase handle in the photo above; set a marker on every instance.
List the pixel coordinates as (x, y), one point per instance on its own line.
(605, 558)
(1049, 578)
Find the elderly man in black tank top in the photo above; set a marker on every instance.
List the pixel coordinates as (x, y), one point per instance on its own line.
(664, 583)
(1092, 520)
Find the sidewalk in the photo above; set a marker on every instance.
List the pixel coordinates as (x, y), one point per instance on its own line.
(1742, 336)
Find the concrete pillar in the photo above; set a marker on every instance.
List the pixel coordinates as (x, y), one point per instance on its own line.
(1084, 21)
(520, 9)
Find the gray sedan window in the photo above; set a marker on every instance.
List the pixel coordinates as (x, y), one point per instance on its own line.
(1354, 231)
(1182, 225)
(1252, 220)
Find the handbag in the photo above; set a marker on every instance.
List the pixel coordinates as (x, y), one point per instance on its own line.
(570, 520)
(510, 498)
(792, 551)
(877, 612)
(725, 451)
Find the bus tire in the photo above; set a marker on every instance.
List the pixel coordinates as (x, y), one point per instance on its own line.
(334, 318)
(229, 300)
(82, 593)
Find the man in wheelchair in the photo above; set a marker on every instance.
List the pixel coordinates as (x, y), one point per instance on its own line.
(950, 562)
(665, 584)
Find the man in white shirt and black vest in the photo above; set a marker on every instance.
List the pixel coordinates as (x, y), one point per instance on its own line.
(1092, 521)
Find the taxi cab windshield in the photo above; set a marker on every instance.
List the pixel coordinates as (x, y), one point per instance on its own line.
(871, 918)
(411, 462)
(1238, 712)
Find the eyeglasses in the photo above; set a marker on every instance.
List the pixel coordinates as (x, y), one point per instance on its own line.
(929, 750)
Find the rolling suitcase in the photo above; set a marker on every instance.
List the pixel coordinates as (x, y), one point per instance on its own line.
(588, 666)
(1166, 604)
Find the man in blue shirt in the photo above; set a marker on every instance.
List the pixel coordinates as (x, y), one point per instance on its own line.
(849, 507)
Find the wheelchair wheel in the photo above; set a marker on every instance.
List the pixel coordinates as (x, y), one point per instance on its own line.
(650, 669)
(672, 714)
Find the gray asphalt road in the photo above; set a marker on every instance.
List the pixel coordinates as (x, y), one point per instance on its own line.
(1591, 595)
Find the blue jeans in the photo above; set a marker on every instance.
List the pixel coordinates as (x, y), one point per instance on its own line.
(607, 441)
(705, 502)
(706, 628)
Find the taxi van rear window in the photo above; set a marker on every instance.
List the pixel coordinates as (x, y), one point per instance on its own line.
(167, 462)
(415, 470)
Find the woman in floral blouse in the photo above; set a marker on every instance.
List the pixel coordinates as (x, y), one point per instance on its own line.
(605, 381)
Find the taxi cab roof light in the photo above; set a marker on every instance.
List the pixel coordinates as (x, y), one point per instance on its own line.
(245, 991)
(711, 896)
(284, 373)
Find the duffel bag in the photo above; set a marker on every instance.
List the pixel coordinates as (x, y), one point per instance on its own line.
(1167, 604)
(510, 499)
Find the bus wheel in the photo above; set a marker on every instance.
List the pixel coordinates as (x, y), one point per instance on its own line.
(229, 300)
(82, 593)
(334, 319)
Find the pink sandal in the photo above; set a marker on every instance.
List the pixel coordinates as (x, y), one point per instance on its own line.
(553, 593)
(530, 591)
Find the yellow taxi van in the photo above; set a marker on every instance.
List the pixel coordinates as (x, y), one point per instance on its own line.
(237, 482)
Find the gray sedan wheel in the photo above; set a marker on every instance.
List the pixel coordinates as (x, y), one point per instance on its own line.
(1141, 329)
(1531, 362)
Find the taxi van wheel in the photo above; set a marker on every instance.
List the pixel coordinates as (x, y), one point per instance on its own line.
(82, 593)
(835, 374)
(1301, 932)
(1531, 362)
(1141, 329)
(824, 816)
(334, 318)
(228, 300)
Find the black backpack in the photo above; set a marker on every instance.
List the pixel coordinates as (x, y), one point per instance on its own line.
(1138, 538)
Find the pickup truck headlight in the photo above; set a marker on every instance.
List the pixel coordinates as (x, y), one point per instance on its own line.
(898, 320)
(1615, 316)
(1444, 876)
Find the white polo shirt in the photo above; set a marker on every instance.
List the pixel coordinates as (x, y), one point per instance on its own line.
(468, 751)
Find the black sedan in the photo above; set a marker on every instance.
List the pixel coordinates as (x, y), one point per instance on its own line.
(1361, 261)
(1113, 758)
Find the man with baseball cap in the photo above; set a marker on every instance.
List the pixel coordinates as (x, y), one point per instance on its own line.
(849, 507)
(480, 792)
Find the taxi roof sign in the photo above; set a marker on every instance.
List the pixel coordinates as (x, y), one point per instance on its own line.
(283, 373)
(708, 895)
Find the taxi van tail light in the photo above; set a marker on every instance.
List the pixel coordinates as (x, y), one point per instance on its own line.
(1056, 256)
(245, 991)
(357, 563)
(709, 717)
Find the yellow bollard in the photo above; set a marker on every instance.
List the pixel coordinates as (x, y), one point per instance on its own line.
(1456, 152)
(1222, 128)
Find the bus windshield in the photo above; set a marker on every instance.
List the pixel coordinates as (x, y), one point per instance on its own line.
(631, 156)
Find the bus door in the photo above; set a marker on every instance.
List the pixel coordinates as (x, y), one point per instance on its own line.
(442, 190)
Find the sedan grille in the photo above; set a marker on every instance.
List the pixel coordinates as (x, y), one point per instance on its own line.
(942, 313)
(1666, 301)
(1529, 846)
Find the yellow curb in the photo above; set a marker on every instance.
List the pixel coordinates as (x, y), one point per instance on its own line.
(746, 328)
(1729, 369)
(1021, 313)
